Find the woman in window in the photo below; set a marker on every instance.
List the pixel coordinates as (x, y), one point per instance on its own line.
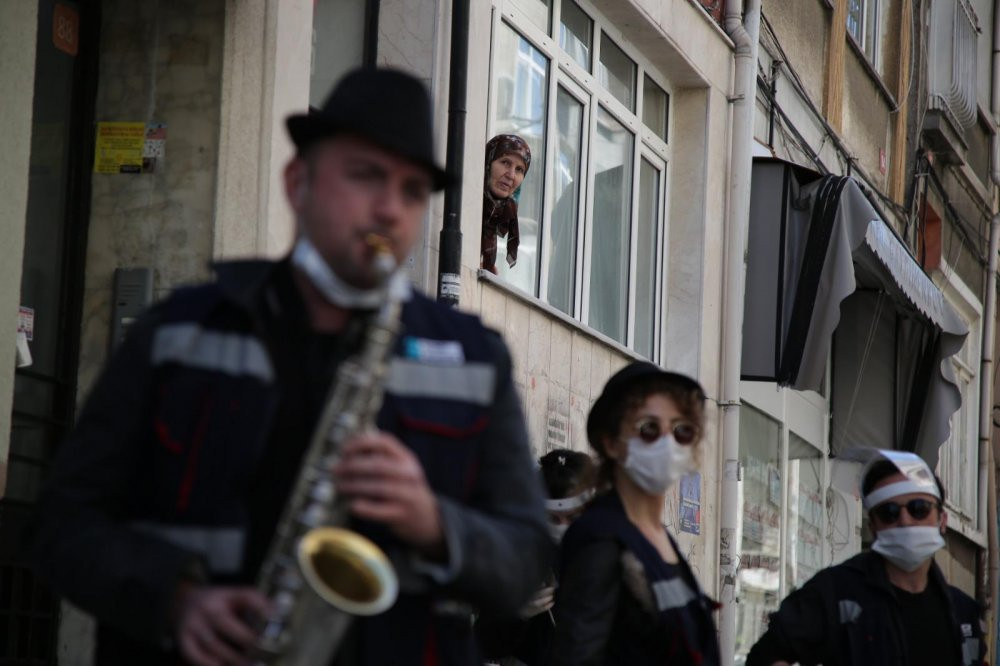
(626, 595)
(569, 481)
(507, 160)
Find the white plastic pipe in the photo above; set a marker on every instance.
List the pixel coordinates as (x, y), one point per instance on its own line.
(743, 26)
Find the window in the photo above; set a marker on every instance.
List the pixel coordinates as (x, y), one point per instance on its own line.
(958, 465)
(592, 208)
(864, 26)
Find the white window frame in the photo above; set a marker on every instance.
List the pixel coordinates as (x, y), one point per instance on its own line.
(565, 72)
(871, 10)
(967, 518)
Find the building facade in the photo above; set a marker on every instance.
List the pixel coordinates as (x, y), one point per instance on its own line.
(627, 220)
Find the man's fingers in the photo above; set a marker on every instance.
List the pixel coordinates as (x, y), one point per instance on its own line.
(218, 649)
(234, 629)
(382, 512)
(192, 652)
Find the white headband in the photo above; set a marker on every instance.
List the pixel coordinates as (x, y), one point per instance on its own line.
(569, 503)
(884, 493)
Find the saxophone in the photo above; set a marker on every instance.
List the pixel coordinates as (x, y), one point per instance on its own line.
(317, 573)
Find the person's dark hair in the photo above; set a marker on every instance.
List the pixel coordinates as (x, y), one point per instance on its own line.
(689, 399)
(566, 472)
(884, 469)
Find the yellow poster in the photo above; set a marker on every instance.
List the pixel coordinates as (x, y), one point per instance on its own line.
(119, 147)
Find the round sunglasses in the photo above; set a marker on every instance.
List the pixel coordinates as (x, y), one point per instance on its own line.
(889, 512)
(649, 431)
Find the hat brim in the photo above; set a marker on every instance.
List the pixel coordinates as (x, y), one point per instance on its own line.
(307, 129)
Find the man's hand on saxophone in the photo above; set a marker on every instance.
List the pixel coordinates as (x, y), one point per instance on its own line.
(384, 482)
(214, 624)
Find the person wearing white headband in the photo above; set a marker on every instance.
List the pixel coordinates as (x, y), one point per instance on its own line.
(890, 605)
(568, 477)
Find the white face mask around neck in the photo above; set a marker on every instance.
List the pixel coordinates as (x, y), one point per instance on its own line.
(335, 290)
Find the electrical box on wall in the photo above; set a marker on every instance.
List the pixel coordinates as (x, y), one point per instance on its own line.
(133, 293)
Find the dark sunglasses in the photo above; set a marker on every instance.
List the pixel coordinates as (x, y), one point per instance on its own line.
(889, 512)
(684, 432)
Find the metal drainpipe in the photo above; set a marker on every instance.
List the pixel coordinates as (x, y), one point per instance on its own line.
(450, 256)
(986, 450)
(744, 31)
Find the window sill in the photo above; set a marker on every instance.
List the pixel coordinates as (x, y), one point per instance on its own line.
(872, 72)
(555, 313)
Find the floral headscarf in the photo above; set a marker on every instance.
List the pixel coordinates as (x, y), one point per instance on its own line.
(507, 144)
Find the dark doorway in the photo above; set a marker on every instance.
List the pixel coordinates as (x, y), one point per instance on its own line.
(51, 295)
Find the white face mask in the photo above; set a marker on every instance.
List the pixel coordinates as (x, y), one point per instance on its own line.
(657, 466)
(307, 259)
(908, 547)
(557, 532)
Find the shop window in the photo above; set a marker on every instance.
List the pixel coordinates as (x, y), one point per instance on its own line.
(592, 213)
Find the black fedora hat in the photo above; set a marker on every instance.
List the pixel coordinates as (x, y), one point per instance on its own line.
(621, 381)
(390, 108)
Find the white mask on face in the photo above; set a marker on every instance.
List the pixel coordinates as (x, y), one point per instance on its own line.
(657, 466)
(908, 547)
(307, 259)
(557, 532)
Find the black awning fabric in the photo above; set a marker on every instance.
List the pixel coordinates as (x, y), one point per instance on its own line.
(819, 256)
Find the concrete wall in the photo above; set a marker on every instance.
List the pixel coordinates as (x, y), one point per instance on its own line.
(159, 62)
(18, 31)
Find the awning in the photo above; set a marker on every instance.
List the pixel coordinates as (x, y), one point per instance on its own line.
(821, 260)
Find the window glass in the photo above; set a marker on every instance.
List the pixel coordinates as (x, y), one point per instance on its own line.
(655, 107)
(760, 496)
(609, 252)
(522, 73)
(538, 12)
(645, 267)
(616, 72)
(576, 31)
(566, 202)
(338, 44)
(856, 19)
(805, 511)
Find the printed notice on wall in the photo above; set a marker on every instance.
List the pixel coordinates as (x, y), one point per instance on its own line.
(690, 506)
(119, 147)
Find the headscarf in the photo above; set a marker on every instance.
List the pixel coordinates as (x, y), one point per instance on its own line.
(500, 215)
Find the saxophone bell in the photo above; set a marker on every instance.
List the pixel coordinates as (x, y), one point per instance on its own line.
(347, 570)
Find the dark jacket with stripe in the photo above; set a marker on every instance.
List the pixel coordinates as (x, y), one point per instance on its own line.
(599, 616)
(152, 486)
(847, 615)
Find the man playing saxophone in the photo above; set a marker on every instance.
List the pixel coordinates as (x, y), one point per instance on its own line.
(161, 506)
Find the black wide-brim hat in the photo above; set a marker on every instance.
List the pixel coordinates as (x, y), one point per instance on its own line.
(621, 381)
(388, 107)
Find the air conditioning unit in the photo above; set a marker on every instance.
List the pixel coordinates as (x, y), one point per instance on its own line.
(951, 78)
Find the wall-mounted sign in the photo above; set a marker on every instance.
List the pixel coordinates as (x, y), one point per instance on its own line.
(66, 28)
(119, 147)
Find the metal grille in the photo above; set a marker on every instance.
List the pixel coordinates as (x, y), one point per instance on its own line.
(953, 34)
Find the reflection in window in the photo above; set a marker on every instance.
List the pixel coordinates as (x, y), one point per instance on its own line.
(575, 33)
(760, 497)
(655, 107)
(645, 268)
(805, 511)
(566, 201)
(522, 73)
(609, 253)
(616, 72)
(538, 12)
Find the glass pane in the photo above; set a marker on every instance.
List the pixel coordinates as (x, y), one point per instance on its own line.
(575, 33)
(645, 267)
(617, 72)
(655, 107)
(855, 18)
(760, 497)
(566, 207)
(538, 11)
(805, 511)
(338, 44)
(521, 85)
(612, 164)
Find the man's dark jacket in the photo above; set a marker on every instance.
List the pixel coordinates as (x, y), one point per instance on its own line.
(847, 615)
(152, 486)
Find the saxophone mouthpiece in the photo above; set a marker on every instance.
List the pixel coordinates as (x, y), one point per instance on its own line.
(385, 262)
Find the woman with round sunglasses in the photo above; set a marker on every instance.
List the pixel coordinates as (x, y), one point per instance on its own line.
(890, 605)
(626, 595)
